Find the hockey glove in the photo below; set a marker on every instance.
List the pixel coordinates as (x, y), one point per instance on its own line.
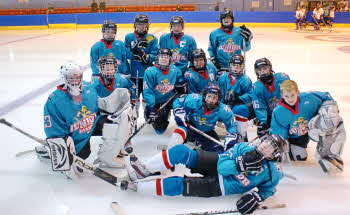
(181, 88)
(246, 33)
(249, 203)
(263, 129)
(230, 140)
(150, 114)
(180, 117)
(138, 46)
(232, 99)
(216, 62)
(141, 57)
(250, 161)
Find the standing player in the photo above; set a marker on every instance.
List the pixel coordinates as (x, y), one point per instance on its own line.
(71, 117)
(316, 18)
(237, 93)
(330, 17)
(313, 114)
(227, 40)
(266, 93)
(299, 17)
(141, 49)
(109, 46)
(200, 73)
(237, 171)
(180, 44)
(203, 112)
(161, 81)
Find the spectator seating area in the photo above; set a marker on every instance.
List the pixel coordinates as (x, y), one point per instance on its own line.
(109, 9)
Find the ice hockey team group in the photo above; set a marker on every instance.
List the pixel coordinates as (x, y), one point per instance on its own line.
(174, 75)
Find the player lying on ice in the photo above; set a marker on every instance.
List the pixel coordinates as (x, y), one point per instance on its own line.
(242, 168)
(315, 115)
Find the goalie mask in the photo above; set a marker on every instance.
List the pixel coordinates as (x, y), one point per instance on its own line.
(271, 146)
(211, 96)
(107, 67)
(109, 31)
(226, 24)
(236, 64)
(177, 26)
(263, 70)
(72, 78)
(141, 25)
(163, 59)
(198, 60)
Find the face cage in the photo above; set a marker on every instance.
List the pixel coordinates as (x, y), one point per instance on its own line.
(159, 61)
(277, 151)
(108, 71)
(74, 83)
(234, 70)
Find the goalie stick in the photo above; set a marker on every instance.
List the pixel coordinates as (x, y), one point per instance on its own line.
(76, 160)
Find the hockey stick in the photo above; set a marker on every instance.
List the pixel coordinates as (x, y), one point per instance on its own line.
(232, 210)
(205, 135)
(19, 154)
(129, 149)
(76, 160)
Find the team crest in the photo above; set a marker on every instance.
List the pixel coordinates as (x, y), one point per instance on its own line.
(84, 121)
(176, 57)
(164, 86)
(229, 47)
(273, 102)
(299, 127)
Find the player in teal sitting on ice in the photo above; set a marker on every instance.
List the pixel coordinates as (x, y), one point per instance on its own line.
(237, 92)
(227, 40)
(315, 115)
(109, 46)
(110, 78)
(180, 44)
(161, 81)
(202, 111)
(238, 170)
(266, 93)
(200, 73)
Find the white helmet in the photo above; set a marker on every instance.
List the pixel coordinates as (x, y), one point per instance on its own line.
(72, 77)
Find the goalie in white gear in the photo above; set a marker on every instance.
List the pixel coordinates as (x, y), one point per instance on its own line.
(315, 115)
(72, 116)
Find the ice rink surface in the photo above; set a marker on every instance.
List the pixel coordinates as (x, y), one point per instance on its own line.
(30, 60)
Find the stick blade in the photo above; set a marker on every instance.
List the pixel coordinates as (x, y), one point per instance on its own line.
(117, 209)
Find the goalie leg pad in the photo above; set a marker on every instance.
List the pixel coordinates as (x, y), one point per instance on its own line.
(115, 102)
(332, 144)
(208, 186)
(297, 153)
(206, 163)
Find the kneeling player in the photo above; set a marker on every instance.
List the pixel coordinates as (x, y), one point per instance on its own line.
(238, 170)
(71, 117)
(313, 114)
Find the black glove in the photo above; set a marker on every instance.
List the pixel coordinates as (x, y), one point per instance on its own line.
(141, 57)
(250, 161)
(150, 114)
(249, 203)
(180, 117)
(263, 129)
(138, 45)
(181, 88)
(216, 62)
(246, 33)
(232, 99)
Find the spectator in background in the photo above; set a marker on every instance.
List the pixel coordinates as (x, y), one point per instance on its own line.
(217, 7)
(102, 6)
(178, 8)
(94, 7)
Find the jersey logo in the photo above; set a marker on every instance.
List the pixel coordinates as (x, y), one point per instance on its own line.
(176, 57)
(227, 108)
(200, 120)
(299, 127)
(273, 103)
(244, 181)
(229, 47)
(164, 87)
(85, 121)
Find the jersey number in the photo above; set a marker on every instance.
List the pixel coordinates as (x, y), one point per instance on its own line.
(47, 121)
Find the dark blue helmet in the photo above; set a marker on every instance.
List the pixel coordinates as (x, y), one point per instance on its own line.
(211, 89)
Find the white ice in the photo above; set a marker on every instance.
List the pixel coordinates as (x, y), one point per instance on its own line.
(31, 59)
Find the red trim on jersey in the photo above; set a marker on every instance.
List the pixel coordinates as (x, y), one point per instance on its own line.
(181, 132)
(203, 74)
(206, 112)
(108, 46)
(227, 32)
(165, 160)
(165, 72)
(241, 119)
(109, 88)
(61, 88)
(159, 186)
(137, 36)
(294, 112)
(177, 40)
(232, 81)
(271, 88)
